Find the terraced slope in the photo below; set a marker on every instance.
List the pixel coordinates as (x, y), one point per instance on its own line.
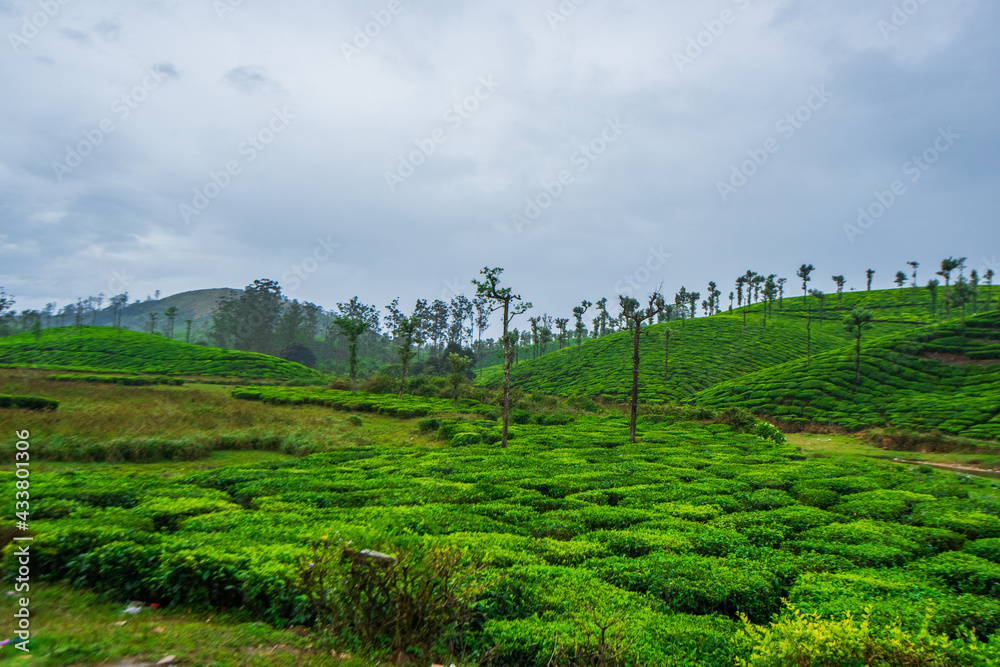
(107, 349)
(707, 350)
(943, 377)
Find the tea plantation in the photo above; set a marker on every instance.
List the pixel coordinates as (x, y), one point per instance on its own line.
(944, 377)
(104, 349)
(681, 547)
(707, 350)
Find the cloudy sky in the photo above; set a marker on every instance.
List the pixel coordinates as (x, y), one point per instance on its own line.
(386, 148)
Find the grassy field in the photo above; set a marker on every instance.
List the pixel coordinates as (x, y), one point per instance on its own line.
(667, 543)
(104, 349)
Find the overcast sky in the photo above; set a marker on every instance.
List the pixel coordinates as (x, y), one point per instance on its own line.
(391, 148)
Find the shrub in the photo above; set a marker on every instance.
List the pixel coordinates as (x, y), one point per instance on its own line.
(988, 549)
(809, 640)
(416, 603)
(942, 514)
(28, 402)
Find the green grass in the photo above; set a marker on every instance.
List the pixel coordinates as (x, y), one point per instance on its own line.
(74, 627)
(105, 349)
(944, 377)
(110, 422)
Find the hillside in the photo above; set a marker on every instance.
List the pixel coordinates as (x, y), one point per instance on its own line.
(104, 348)
(943, 377)
(196, 305)
(707, 350)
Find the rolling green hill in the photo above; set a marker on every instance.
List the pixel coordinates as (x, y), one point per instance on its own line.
(943, 377)
(707, 350)
(107, 349)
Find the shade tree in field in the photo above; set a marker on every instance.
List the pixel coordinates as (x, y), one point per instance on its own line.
(770, 291)
(840, 281)
(605, 318)
(152, 321)
(352, 328)
(803, 273)
(562, 325)
(579, 312)
(405, 331)
(187, 333)
(633, 313)
(870, 273)
(974, 284)
(858, 320)
(461, 308)
(960, 296)
(171, 315)
(781, 292)
(947, 266)
(6, 301)
(693, 302)
(932, 286)
(456, 378)
(914, 265)
(247, 321)
(901, 278)
(510, 305)
(990, 273)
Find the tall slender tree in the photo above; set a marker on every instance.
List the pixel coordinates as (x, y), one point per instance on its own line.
(901, 278)
(932, 286)
(171, 315)
(770, 291)
(635, 315)
(870, 273)
(947, 266)
(352, 328)
(405, 332)
(562, 324)
(581, 328)
(781, 292)
(960, 296)
(855, 323)
(459, 364)
(187, 335)
(914, 265)
(803, 273)
(990, 273)
(840, 282)
(974, 284)
(511, 305)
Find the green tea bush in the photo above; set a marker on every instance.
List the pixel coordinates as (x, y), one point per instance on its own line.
(987, 548)
(963, 572)
(28, 402)
(810, 640)
(942, 514)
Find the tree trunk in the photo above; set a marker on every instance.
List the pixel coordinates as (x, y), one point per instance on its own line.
(808, 340)
(506, 374)
(857, 359)
(635, 380)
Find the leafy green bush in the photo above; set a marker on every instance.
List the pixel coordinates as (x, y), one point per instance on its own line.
(28, 402)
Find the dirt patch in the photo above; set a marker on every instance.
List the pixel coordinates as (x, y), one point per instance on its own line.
(958, 359)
